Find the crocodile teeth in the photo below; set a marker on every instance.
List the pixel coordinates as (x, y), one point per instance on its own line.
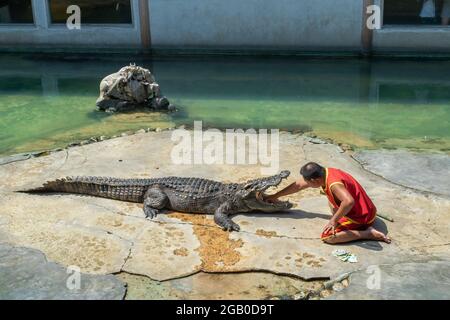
(259, 196)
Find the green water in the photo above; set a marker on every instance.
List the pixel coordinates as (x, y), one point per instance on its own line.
(49, 102)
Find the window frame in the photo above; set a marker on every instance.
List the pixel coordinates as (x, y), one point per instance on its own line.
(409, 27)
(58, 25)
(22, 25)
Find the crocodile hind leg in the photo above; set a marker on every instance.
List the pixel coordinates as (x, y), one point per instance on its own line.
(154, 200)
(221, 217)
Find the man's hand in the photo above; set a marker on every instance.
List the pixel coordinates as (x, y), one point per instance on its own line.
(292, 188)
(271, 199)
(330, 227)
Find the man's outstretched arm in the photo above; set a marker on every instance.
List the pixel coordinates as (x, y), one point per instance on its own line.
(290, 189)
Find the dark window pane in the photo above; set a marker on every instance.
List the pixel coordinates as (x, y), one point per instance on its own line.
(93, 11)
(416, 12)
(16, 11)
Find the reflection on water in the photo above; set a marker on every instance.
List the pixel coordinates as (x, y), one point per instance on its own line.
(46, 103)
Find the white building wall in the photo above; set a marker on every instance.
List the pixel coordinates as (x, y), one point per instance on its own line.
(301, 24)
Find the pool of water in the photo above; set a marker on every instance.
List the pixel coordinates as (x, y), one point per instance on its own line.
(48, 102)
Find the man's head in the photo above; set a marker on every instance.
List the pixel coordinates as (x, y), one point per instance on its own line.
(314, 174)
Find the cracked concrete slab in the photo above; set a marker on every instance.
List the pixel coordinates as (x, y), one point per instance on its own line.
(164, 251)
(304, 258)
(403, 281)
(201, 286)
(105, 236)
(431, 171)
(25, 274)
(63, 234)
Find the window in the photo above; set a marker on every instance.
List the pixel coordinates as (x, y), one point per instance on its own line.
(416, 12)
(16, 11)
(93, 11)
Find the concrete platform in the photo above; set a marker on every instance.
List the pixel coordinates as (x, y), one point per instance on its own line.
(422, 171)
(27, 275)
(104, 236)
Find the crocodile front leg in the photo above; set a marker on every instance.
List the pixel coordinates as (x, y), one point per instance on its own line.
(154, 200)
(223, 220)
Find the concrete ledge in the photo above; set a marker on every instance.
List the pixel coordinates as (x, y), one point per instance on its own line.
(412, 39)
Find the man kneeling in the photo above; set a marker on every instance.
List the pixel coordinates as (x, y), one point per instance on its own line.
(353, 213)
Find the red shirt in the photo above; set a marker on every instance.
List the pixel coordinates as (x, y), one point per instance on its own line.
(363, 211)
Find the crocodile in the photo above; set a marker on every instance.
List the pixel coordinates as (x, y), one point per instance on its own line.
(189, 195)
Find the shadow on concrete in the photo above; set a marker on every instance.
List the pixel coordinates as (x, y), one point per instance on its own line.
(380, 225)
(292, 214)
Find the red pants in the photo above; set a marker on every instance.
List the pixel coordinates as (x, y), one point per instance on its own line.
(345, 223)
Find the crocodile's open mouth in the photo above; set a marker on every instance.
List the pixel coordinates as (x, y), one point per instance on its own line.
(257, 199)
(262, 184)
(261, 197)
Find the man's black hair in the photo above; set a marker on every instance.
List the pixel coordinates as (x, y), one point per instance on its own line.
(312, 170)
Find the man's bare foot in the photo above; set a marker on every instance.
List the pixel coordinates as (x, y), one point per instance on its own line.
(378, 235)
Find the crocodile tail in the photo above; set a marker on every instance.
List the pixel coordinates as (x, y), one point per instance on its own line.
(117, 189)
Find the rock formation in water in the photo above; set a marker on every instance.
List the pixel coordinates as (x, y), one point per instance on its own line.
(130, 88)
